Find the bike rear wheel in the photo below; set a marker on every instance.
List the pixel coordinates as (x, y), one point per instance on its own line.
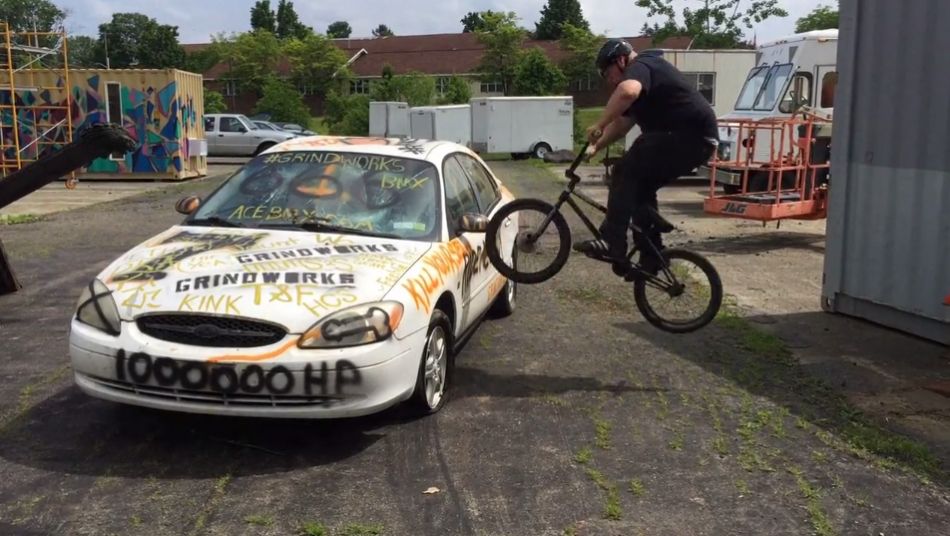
(685, 296)
(541, 252)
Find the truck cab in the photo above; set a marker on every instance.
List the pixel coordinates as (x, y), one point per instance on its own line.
(790, 74)
(236, 135)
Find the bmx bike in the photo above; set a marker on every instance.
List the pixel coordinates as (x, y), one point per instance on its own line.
(684, 294)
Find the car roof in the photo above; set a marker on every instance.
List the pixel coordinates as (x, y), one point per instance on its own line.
(432, 150)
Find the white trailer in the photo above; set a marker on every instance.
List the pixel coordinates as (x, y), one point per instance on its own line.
(522, 125)
(389, 119)
(446, 123)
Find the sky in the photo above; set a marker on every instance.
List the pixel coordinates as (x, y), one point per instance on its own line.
(197, 20)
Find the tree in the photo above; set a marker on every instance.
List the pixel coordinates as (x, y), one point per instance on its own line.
(458, 91)
(251, 57)
(555, 14)
(718, 24)
(581, 47)
(288, 23)
(347, 115)
(414, 88)
(214, 102)
(82, 51)
(821, 18)
(383, 31)
(339, 30)
(314, 61)
(503, 39)
(475, 20)
(536, 75)
(30, 15)
(283, 102)
(135, 40)
(201, 61)
(262, 17)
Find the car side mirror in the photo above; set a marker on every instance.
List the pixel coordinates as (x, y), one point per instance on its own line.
(188, 205)
(242, 130)
(473, 223)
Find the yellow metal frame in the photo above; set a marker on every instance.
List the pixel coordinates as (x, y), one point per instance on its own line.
(24, 57)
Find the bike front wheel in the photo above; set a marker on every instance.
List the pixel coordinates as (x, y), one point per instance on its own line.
(684, 296)
(541, 249)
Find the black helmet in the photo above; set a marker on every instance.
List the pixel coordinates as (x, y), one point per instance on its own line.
(612, 49)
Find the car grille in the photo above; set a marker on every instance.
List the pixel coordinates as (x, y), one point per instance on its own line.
(215, 398)
(209, 330)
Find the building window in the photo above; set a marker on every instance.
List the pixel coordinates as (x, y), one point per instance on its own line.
(114, 110)
(829, 83)
(705, 83)
(230, 88)
(584, 84)
(493, 87)
(359, 87)
(307, 89)
(442, 84)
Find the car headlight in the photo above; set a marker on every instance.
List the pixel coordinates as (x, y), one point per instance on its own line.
(354, 326)
(97, 308)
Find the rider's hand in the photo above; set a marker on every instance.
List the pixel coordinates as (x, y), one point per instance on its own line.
(594, 134)
(592, 149)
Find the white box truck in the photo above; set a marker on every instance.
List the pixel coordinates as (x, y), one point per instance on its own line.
(522, 125)
(389, 119)
(446, 123)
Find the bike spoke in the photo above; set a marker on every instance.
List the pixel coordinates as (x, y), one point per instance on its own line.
(684, 306)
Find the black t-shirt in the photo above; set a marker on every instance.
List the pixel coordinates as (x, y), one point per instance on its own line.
(667, 101)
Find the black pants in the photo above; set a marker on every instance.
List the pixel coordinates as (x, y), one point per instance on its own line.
(654, 160)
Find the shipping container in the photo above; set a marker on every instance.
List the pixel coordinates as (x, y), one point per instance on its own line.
(161, 110)
(888, 232)
(446, 123)
(522, 125)
(389, 119)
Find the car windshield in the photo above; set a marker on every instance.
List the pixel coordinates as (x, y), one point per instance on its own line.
(774, 86)
(357, 192)
(751, 88)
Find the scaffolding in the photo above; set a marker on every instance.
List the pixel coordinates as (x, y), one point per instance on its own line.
(35, 100)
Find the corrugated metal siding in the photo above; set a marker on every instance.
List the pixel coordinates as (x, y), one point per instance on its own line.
(191, 118)
(888, 252)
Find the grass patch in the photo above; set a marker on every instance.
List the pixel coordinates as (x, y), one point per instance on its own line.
(360, 529)
(19, 219)
(260, 521)
(677, 442)
(217, 493)
(570, 530)
(752, 339)
(819, 520)
(636, 487)
(312, 528)
(612, 508)
(587, 117)
(318, 125)
(602, 430)
(584, 456)
(743, 487)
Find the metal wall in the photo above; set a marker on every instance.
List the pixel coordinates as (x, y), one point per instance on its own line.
(888, 245)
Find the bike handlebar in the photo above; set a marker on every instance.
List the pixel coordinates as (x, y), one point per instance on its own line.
(570, 173)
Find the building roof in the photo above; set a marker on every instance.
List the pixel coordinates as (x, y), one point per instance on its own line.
(433, 54)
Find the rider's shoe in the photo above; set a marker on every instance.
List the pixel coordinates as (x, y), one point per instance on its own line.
(603, 250)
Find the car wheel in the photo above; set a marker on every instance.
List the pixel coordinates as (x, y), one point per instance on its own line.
(504, 304)
(435, 367)
(263, 147)
(540, 150)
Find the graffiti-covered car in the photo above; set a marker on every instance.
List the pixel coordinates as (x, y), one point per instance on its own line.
(328, 277)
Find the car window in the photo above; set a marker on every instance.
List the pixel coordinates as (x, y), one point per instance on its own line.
(209, 124)
(459, 196)
(485, 188)
(230, 124)
(362, 191)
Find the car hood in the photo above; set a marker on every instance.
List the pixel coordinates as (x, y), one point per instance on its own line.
(291, 278)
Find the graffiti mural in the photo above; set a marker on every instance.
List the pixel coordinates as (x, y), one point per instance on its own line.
(154, 111)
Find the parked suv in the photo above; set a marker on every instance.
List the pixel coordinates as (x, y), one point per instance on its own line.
(235, 134)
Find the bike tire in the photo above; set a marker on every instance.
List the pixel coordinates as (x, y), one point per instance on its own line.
(515, 273)
(692, 324)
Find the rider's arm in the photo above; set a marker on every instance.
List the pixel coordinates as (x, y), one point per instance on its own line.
(616, 130)
(626, 94)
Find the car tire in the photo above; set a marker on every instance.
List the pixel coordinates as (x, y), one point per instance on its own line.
(263, 147)
(436, 358)
(504, 304)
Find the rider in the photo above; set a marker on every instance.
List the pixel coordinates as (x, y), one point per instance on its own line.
(679, 133)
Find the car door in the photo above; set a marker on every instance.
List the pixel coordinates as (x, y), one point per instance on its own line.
(211, 134)
(233, 136)
(460, 199)
(488, 196)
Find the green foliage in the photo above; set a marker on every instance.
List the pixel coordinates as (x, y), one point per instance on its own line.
(503, 39)
(251, 57)
(313, 62)
(535, 74)
(581, 47)
(347, 115)
(339, 29)
(288, 22)
(383, 31)
(555, 14)
(283, 102)
(214, 102)
(458, 91)
(821, 18)
(414, 88)
(31, 15)
(135, 40)
(262, 17)
(718, 24)
(82, 51)
(474, 21)
(200, 61)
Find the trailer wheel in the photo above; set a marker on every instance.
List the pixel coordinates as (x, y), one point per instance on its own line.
(540, 150)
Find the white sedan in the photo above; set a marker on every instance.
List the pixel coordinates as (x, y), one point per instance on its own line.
(329, 277)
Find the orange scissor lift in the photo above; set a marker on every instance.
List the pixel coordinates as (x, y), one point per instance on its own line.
(783, 165)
